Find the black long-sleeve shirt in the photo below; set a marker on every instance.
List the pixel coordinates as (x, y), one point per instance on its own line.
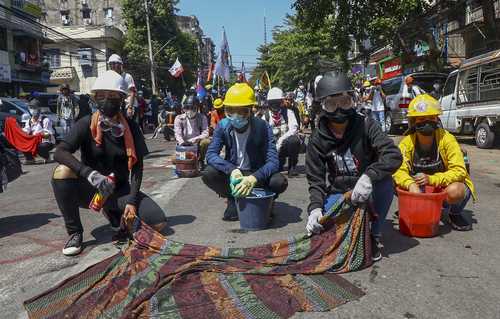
(365, 149)
(109, 157)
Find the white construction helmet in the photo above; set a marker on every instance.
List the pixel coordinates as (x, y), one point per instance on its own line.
(115, 58)
(275, 94)
(110, 81)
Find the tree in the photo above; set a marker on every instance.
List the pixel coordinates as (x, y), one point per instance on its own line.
(391, 22)
(296, 53)
(163, 29)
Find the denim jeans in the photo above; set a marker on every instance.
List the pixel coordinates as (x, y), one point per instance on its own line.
(459, 207)
(383, 193)
(379, 116)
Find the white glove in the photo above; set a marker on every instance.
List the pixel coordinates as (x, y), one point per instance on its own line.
(102, 183)
(313, 225)
(362, 191)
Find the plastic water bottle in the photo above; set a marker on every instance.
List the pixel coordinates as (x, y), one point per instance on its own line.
(99, 199)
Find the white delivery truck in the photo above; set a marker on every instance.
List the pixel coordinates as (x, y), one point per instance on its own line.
(471, 99)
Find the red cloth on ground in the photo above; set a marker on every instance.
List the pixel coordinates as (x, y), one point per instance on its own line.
(19, 139)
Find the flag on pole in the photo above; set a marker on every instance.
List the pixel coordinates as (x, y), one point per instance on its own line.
(222, 67)
(242, 78)
(200, 89)
(265, 81)
(176, 70)
(210, 72)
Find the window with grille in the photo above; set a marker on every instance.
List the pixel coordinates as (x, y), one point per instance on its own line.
(467, 85)
(489, 84)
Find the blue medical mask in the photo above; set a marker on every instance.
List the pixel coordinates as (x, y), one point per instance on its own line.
(238, 121)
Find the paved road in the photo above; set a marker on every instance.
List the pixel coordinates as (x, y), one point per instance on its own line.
(454, 275)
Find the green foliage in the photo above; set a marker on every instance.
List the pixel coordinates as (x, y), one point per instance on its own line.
(163, 29)
(390, 22)
(295, 54)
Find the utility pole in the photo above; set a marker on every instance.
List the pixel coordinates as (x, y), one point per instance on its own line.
(151, 58)
(265, 28)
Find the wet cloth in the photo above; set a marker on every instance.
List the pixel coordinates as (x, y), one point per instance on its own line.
(19, 139)
(156, 277)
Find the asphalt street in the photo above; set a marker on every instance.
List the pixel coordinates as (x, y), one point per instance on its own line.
(454, 275)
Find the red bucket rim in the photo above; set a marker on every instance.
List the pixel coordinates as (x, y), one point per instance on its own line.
(441, 194)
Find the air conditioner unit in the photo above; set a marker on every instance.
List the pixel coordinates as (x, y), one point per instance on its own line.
(87, 21)
(85, 2)
(65, 20)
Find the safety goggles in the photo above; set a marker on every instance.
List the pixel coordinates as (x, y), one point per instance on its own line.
(332, 103)
(116, 129)
(240, 110)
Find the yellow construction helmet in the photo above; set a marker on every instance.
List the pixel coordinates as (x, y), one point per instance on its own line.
(367, 84)
(218, 103)
(240, 94)
(424, 105)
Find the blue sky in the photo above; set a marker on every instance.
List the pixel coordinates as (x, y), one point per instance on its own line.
(243, 20)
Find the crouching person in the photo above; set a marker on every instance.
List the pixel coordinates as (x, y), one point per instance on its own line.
(251, 158)
(191, 128)
(108, 143)
(432, 156)
(355, 155)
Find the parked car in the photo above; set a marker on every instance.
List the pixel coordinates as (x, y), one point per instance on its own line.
(471, 99)
(48, 107)
(13, 107)
(398, 98)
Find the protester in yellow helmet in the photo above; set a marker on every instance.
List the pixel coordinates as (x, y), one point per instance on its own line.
(217, 114)
(251, 158)
(432, 156)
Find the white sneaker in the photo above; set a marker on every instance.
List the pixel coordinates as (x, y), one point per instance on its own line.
(73, 245)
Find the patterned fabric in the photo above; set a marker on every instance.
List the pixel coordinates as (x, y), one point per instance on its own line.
(156, 277)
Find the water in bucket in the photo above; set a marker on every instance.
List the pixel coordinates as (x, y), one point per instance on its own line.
(254, 211)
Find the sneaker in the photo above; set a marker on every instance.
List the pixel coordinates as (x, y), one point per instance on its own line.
(292, 172)
(231, 213)
(376, 248)
(120, 238)
(74, 245)
(458, 222)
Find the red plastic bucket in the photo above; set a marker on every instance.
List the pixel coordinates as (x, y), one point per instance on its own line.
(419, 214)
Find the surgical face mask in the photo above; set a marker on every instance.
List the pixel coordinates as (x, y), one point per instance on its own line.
(301, 87)
(191, 114)
(109, 107)
(426, 128)
(238, 121)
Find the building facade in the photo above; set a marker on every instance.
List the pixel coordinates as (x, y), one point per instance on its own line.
(84, 33)
(21, 65)
(191, 25)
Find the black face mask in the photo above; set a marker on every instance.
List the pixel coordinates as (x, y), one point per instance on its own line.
(109, 107)
(340, 116)
(426, 128)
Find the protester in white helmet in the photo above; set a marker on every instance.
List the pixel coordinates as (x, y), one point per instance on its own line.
(109, 144)
(285, 127)
(116, 64)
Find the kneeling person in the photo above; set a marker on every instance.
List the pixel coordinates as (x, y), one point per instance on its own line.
(108, 143)
(191, 127)
(251, 157)
(432, 156)
(355, 155)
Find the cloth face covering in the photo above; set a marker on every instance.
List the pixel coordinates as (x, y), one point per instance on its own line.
(238, 121)
(109, 107)
(426, 128)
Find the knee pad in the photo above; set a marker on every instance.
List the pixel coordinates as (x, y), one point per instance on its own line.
(63, 172)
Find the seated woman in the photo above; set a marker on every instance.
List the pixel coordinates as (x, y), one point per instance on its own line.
(432, 156)
(108, 143)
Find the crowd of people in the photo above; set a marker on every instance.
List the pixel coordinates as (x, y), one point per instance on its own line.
(245, 140)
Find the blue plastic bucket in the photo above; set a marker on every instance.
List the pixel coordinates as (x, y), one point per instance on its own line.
(254, 211)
